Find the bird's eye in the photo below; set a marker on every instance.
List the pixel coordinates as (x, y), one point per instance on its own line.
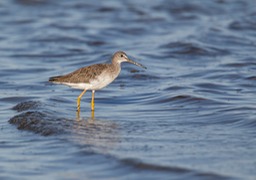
(122, 55)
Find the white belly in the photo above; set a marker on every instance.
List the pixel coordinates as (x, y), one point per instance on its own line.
(78, 85)
(102, 81)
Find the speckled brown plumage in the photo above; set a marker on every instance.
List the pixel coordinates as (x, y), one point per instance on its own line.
(82, 75)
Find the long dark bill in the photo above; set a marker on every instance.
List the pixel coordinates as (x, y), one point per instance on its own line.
(137, 64)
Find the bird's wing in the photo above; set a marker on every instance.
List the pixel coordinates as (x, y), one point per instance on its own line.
(82, 75)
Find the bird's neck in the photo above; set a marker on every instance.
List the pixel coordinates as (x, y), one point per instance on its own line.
(116, 66)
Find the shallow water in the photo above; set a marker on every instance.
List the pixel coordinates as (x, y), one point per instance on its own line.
(190, 115)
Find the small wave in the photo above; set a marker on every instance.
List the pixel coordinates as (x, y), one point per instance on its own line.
(243, 25)
(31, 2)
(141, 166)
(184, 48)
(181, 100)
(212, 86)
(253, 78)
(238, 65)
(236, 116)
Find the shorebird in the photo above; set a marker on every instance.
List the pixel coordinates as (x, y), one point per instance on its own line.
(94, 77)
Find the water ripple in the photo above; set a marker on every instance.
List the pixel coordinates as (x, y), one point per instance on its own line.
(190, 115)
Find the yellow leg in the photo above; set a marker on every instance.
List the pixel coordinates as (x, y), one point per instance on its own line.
(79, 99)
(92, 103)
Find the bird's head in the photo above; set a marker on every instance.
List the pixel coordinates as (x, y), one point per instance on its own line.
(121, 56)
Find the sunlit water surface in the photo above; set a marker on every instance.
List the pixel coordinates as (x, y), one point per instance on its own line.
(190, 115)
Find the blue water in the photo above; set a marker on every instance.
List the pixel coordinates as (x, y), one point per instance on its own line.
(190, 115)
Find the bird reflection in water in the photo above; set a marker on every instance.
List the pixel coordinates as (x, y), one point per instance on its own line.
(78, 116)
(96, 134)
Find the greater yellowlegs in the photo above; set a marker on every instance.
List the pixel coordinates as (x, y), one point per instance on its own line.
(94, 77)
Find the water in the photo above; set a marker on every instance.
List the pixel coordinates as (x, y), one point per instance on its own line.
(190, 115)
